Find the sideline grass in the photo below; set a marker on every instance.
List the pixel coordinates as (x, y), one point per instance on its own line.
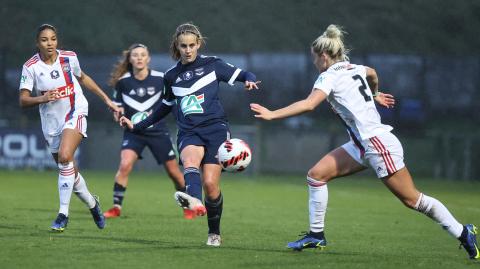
(366, 226)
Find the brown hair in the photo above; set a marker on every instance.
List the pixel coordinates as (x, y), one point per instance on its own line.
(123, 65)
(186, 28)
(43, 27)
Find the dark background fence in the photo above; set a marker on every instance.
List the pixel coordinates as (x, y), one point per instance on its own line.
(427, 53)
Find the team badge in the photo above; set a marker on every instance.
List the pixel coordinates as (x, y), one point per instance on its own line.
(150, 90)
(54, 74)
(192, 104)
(187, 75)
(141, 92)
(199, 71)
(66, 67)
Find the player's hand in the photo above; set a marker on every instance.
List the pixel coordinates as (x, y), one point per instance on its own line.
(385, 99)
(50, 95)
(262, 112)
(112, 106)
(249, 85)
(118, 114)
(125, 122)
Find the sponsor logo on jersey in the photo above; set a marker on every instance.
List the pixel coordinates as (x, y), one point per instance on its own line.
(65, 91)
(150, 90)
(178, 80)
(54, 74)
(192, 104)
(23, 79)
(187, 75)
(139, 116)
(199, 71)
(132, 92)
(141, 92)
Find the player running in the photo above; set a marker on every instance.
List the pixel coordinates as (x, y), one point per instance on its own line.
(191, 88)
(137, 90)
(351, 91)
(55, 75)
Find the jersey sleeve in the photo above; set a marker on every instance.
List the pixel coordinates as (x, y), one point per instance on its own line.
(76, 69)
(27, 79)
(226, 72)
(324, 83)
(117, 94)
(168, 98)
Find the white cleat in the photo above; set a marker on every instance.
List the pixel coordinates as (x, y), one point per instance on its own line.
(214, 240)
(191, 205)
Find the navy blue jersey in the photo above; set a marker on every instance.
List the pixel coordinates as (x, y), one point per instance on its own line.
(139, 97)
(194, 88)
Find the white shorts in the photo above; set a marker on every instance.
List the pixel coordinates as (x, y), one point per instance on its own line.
(77, 122)
(383, 153)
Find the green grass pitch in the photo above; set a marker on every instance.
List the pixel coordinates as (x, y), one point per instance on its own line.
(366, 226)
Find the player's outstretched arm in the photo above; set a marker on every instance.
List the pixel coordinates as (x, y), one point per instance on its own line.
(90, 84)
(302, 106)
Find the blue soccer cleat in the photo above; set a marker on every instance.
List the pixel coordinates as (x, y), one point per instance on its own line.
(97, 214)
(307, 241)
(470, 243)
(60, 223)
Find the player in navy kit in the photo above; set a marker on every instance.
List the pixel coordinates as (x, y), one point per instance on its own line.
(191, 89)
(137, 90)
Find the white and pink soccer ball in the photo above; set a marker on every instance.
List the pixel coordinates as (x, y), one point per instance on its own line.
(234, 155)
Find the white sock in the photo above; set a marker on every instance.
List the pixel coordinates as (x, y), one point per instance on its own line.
(81, 190)
(435, 210)
(66, 178)
(317, 204)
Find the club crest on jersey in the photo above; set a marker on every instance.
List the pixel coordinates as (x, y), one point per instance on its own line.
(192, 104)
(187, 75)
(65, 67)
(150, 90)
(54, 74)
(199, 71)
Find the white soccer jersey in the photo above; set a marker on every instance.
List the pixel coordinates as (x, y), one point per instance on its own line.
(351, 98)
(39, 76)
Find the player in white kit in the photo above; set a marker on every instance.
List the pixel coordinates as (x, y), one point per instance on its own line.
(351, 91)
(54, 76)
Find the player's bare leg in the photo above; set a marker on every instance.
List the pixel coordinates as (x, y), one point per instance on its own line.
(173, 171)
(401, 185)
(128, 158)
(335, 164)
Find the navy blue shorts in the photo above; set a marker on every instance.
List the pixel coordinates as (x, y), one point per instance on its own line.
(210, 137)
(160, 145)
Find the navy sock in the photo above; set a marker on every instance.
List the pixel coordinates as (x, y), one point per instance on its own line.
(118, 194)
(193, 183)
(463, 236)
(319, 235)
(214, 214)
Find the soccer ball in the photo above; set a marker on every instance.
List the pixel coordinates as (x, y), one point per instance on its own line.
(234, 155)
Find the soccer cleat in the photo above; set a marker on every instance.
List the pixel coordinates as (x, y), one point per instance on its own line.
(191, 205)
(307, 241)
(97, 214)
(60, 223)
(214, 240)
(113, 212)
(470, 243)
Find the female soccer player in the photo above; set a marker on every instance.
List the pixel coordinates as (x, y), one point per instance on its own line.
(348, 88)
(137, 90)
(55, 75)
(192, 84)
